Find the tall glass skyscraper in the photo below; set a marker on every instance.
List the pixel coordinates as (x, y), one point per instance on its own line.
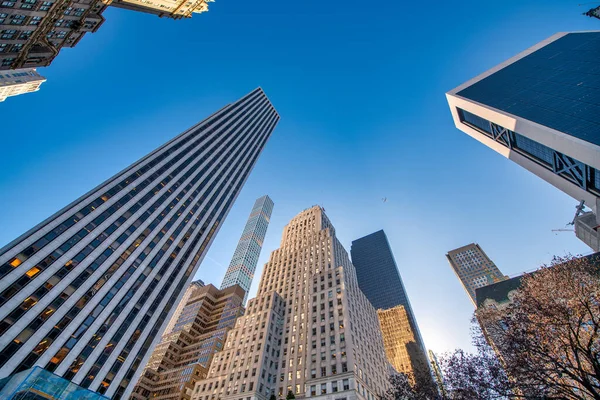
(86, 292)
(379, 279)
(243, 264)
(541, 109)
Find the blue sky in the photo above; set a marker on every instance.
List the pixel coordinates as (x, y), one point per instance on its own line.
(360, 90)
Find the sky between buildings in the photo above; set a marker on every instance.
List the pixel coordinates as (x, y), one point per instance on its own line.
(360, 90)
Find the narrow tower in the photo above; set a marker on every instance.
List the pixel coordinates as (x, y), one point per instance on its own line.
(243, 264)
(87, 292)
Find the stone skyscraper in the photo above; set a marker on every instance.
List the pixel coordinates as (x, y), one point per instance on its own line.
(474, 268)
(243, 264)
(87, 292)
(20, 81)
(541, 110)
(380, 281)
(310, 330)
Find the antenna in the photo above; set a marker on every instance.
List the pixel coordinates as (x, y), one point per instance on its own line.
(579, 209)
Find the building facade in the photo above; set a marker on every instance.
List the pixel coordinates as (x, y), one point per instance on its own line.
(20, 81)
(310, 330)
(541, 110)
(87, 292)
(33, 32)
(586, 229)
(438, 374)
(473, 268)
(245, 258)
(175, 9)
(194, 286)
(402, 346)
(184, 354)
(380, 280)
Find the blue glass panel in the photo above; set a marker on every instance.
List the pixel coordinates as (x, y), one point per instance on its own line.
(536, 149)
(474, 120)
(557, 86)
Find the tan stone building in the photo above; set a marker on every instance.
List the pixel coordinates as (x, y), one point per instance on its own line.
(32, 32)
(401, 347)
(184, 354)
(310, 330)
(20, 81)
(175, 9)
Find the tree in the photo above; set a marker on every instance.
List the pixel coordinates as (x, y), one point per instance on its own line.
(290, 395)
(403, 388)
(475, 376)
(273, 397)
(548, 336)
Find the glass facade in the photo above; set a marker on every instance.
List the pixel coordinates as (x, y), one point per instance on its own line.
(85, 293)
(37, 383)
(578, 173)
(379, 278)
(245, 258)
(557, 86)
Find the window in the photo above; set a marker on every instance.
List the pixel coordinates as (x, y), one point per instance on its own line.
(323, 388)
(323, 371)
(334, 386)
(346, 383)
(313, 390)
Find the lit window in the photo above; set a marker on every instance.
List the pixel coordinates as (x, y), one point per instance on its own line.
(15, 263)
(32, 272)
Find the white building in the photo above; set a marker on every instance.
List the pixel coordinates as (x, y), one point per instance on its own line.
(19, 81)
(86, 293)
(310, 330)
(541, 109)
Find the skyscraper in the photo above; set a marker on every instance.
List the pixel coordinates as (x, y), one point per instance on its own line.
(379, 279)
(310, 330)
(402, 346)
(474, 268)
(189, 292)
(33, 32)
(541, 109)
(243, 264)
(439, 376)
(20, 81)
(184, 354)
(175, 9)
(87, 292)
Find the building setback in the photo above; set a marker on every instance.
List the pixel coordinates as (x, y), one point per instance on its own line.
(184, 300)
(183, 355)
(473, 268)
(87, 292)
(245, 258)
(541, 109)
(20, 81)
(310, 330)
(380, 280)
